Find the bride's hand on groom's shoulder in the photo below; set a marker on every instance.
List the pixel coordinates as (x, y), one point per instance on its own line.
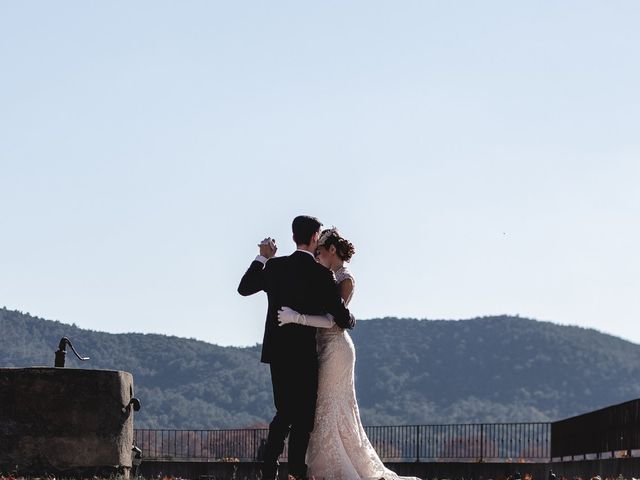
(268, 248)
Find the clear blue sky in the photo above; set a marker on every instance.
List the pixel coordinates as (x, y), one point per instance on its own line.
(484, 157)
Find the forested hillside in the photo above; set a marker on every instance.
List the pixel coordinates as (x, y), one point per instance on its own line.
(407, 371)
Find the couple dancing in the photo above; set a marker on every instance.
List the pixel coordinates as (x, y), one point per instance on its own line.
(312, 357)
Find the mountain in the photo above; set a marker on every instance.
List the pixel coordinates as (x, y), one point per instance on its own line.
(489, 369)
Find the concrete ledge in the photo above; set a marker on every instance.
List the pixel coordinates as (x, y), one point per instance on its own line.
(61, 420)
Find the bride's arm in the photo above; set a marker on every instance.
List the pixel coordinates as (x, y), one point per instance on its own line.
(346, 289)
(287, 315)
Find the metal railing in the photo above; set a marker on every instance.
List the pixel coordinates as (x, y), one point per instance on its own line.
(410, 443)
(610, 431)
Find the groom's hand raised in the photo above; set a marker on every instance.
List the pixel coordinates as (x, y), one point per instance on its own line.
(268, 247)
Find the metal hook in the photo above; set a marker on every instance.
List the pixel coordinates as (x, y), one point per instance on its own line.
(134, 402)
(62, 352)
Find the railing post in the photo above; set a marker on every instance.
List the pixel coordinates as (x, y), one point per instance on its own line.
(417, 443)
(482, 442)
(255, 444)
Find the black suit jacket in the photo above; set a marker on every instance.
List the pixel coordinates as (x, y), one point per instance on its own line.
(300, 283)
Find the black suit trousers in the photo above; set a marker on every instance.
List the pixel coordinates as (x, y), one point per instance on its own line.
(295, 390)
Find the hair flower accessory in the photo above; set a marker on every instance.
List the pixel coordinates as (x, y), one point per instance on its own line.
(326, 234)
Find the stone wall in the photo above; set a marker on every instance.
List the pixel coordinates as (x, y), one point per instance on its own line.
(65, 421)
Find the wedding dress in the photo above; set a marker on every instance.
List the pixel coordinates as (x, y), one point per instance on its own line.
(339, 448)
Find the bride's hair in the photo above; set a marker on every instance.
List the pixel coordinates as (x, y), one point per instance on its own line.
(344, 248)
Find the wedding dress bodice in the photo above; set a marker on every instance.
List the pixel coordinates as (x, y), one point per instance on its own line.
(341, 275)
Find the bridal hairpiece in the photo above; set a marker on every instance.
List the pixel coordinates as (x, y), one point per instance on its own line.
(327, 234)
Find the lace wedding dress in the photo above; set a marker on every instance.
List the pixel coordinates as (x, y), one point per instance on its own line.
(339, 448)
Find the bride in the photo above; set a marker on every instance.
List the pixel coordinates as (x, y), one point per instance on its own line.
(338, 448)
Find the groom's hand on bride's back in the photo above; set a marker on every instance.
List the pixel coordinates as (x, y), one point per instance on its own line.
(351, 322)
(346, 323)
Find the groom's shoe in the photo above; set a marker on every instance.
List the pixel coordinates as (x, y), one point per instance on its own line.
(269, 472)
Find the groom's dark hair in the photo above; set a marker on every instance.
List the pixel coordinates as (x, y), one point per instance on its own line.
(303, 228)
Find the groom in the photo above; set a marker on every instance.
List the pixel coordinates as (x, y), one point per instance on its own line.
(298, 282)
